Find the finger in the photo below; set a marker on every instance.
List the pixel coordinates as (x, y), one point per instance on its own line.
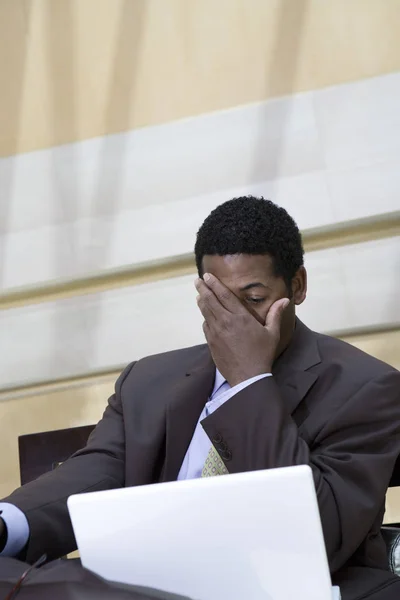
(206, 310)
(274, 316)
(224, 295)
(208, 301)
(206, 330)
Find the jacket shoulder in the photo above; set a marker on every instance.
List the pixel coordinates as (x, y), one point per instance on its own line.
(166, 363)
(351, 358)
(180, 356)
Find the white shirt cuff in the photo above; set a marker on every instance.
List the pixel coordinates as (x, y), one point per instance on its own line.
(239, 387)
(17, 529)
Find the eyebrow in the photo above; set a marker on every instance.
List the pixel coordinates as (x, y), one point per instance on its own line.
(250, 286)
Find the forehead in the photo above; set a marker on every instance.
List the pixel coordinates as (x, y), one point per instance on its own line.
(239, 269)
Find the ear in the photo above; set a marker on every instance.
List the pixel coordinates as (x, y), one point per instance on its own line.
(299, 286)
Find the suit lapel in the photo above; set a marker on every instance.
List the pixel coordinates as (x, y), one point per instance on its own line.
(189, 395)
(291, 368)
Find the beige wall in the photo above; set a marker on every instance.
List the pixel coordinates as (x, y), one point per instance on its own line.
(73, 69)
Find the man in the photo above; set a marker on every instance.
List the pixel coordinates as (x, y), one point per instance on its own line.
(264, 392)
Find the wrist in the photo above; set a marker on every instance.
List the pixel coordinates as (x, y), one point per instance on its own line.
(237, 379)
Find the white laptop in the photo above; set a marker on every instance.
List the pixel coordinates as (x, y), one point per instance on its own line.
(250, 536)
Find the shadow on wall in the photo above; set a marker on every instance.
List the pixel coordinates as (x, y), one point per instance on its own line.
(16, 56)
(280, 80)
(88, 246)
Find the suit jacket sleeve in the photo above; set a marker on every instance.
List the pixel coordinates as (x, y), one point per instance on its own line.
(98, 466)
(352, 456)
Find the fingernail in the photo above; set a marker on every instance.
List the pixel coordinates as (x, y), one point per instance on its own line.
(286, 303)
(207, 277)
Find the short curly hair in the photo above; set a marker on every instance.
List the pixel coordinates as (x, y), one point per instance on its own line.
(250, 225)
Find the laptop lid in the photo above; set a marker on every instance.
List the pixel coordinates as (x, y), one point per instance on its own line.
(251, 535)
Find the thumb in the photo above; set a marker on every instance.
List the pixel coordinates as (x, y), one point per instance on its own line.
(274, 316)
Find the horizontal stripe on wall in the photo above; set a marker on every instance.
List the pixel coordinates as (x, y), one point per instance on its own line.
(340, 234)
(384, 344)
(78, 210)
(350, 288)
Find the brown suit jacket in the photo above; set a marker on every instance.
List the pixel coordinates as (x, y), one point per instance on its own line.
(328, 405)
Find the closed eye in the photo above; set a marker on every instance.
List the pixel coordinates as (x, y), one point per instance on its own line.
(255, 300)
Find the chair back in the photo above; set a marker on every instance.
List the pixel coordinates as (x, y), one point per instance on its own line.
(43, 452)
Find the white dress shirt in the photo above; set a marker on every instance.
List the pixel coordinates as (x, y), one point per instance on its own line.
(200, 445)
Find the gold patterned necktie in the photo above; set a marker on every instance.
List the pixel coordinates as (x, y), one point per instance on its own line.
(214, 464)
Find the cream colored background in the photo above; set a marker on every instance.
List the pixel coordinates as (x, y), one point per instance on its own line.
(73, 69)
(294, 99)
